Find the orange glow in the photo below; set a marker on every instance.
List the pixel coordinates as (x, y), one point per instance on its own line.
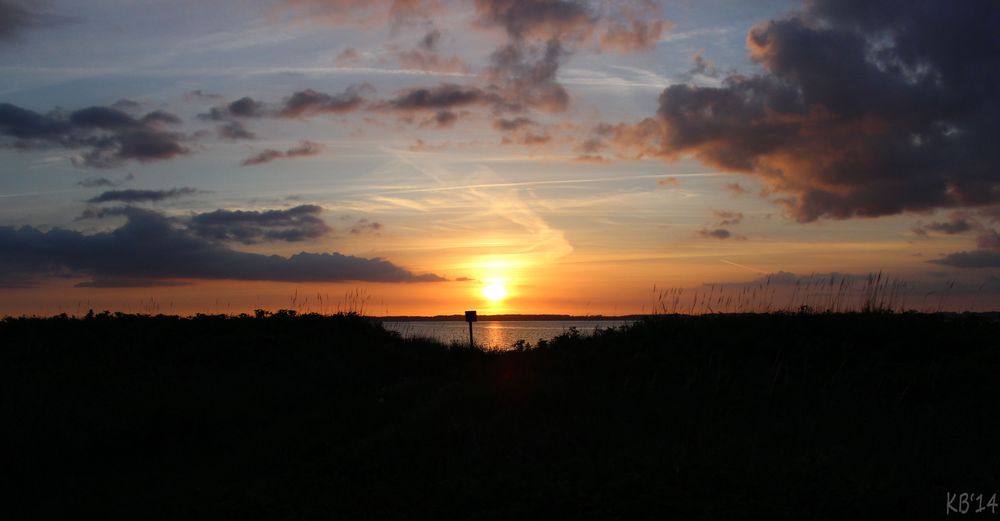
(495, 291)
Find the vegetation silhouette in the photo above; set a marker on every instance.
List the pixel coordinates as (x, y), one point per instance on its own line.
(288, 416)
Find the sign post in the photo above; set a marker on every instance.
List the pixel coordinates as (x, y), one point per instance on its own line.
(470, 317)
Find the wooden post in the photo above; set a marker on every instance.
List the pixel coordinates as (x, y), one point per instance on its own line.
(470, 317)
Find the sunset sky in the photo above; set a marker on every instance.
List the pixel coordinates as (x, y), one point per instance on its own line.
(565, 156)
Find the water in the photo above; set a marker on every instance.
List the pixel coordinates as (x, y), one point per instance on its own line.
(498, 334)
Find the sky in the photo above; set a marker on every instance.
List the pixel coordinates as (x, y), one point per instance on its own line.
(423, 157)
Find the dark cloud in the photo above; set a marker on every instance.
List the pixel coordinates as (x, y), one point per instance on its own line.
(507, 125)
(526, 139)
(718, 233)
(141, 196)
(161, 117)
(544, 19)
(110, 136)
(245, 107)
(233, 130)
(150, 249)
(958, 223)
(440, 97)
(17, 16)
(309, 102)
(430, 40)
(986, 256)
(363, 226)
(526, 76)
(971, 259)
(305, 148)
(248, 227)
(230, 115)
(95, 182)
(865, 109)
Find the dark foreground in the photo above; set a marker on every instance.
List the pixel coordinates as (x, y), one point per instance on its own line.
(714, 417)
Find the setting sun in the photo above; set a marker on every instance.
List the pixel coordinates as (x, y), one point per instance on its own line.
(495, 291)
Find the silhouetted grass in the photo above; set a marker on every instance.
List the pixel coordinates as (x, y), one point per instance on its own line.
(757, 416)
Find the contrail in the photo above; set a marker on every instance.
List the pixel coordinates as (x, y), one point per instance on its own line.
(748, 268)
(549, 182)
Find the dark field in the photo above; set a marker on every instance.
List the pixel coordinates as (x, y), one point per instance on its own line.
(779, 416)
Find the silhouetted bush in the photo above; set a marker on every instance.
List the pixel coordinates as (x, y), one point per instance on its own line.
(286, 416)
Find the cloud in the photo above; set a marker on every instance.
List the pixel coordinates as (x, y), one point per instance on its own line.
(305, 148)
(986, 256)
(526, 76)
(245, 107)
(669, 182)
(150, 249)
(542, 19)
(110, 136)
(310, 103)
(348, 56)
(365, 13)
(233, 130)
(718, 233)
(439, 97)
(95, 182)
(507, 125)
(957, 223)
(431, 61)
(728, 218)
(971, 259)
(141, 196)
(737, 189)
(17, 16)
(850, 124)
(363, 226)
(249, 227)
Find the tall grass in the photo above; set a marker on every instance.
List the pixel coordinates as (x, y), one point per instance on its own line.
(829, 293)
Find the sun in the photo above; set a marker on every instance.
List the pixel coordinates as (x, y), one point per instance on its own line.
(494, 291)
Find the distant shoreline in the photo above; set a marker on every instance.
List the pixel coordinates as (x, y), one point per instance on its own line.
(512, 318)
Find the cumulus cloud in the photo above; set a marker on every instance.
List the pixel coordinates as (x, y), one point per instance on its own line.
(305, 148)
(245, 107)
(987, 254)
(439, 97)
(865, 109)
(957, 223)
(249, 227)
(971, 259)
(527, 76)
(310, 102)
(717, 233)
(141, 196)
(150, 249)
(108, 135)
(363, 226)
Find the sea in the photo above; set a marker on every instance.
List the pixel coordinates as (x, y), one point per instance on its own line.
(499, 334)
